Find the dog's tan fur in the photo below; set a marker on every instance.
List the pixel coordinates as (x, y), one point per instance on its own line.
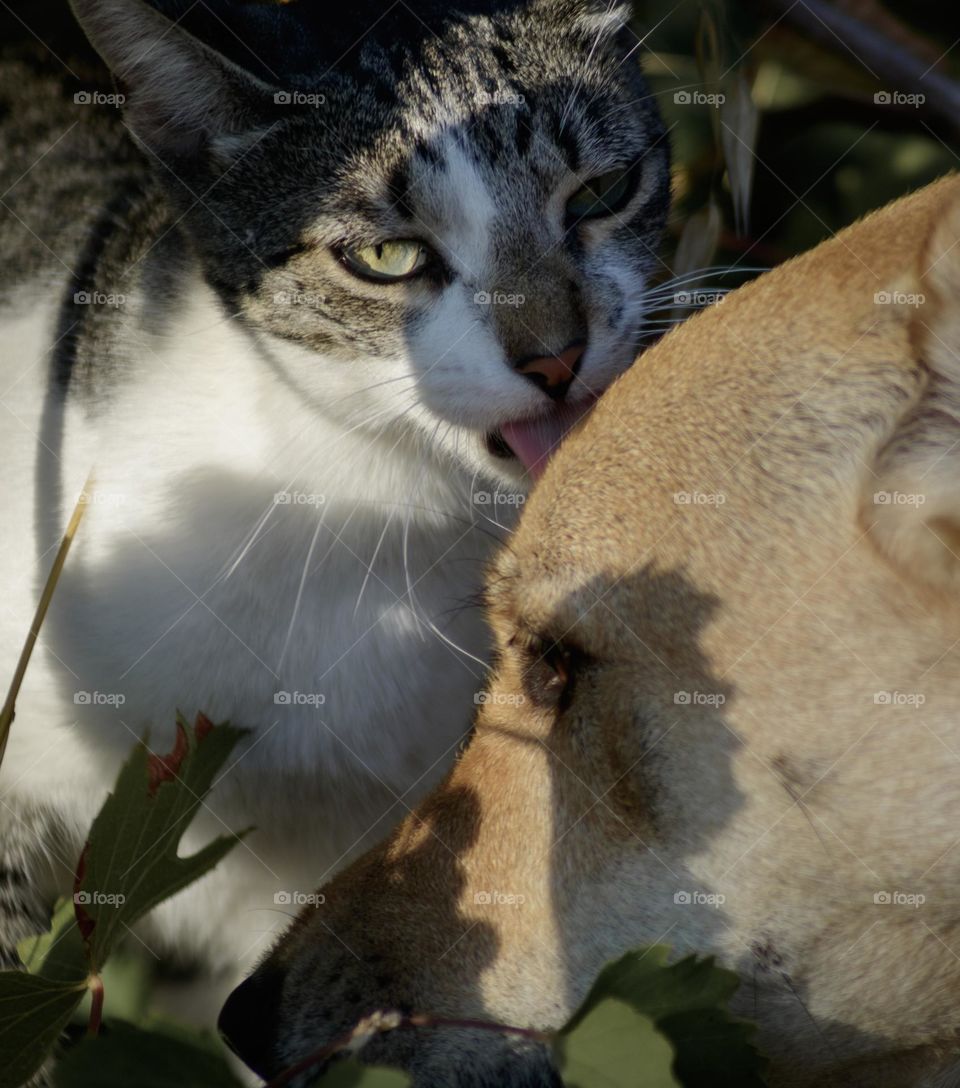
(786, 600)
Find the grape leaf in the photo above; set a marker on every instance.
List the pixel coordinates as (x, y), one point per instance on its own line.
(351, 1074)
(123, 1055)
(57, 954)
(128, 865)
(649, 984)
(130, 861)
(170, 1055)
(614, 1046)
(714, 1050)
(33, 1012)
(686, 1001)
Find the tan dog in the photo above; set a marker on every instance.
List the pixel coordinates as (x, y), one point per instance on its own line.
(725, 713)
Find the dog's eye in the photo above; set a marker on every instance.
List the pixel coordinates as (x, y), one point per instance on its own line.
(552, 672)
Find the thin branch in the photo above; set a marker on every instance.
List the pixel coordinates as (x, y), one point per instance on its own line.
(8, 713)
(887, 58)
(380, 1022)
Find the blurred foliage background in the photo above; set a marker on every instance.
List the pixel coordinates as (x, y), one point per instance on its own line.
(790, 120)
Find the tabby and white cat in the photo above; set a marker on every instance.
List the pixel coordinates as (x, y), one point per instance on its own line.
(312, 302)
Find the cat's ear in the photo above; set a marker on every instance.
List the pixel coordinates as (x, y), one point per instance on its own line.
(181, 94)
(913, 508)
(596, 19)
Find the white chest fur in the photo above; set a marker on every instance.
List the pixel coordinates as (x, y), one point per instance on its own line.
(249, 558)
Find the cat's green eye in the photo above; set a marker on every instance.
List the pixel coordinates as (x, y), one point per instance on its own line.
(601, 196)
(386, 262)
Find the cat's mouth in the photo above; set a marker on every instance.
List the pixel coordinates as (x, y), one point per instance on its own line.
(534, 440)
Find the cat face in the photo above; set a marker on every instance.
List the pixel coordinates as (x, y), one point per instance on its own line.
(412, 226)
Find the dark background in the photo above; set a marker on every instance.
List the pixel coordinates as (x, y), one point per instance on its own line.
(823, 151)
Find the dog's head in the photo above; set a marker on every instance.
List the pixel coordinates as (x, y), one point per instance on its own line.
(723, 713)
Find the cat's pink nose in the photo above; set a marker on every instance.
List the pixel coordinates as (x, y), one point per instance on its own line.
(553, 373)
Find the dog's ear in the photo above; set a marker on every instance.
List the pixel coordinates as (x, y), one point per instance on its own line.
(181, 94)
(914, 509)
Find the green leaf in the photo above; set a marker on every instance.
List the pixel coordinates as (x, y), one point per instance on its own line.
(614, 1046)
(686, 1001)
(129, 865)
(650, 985)
(33, 1012)
(130, 862)
(58, 954)
(351, 1074)
(124, 1055)
(714, 1050)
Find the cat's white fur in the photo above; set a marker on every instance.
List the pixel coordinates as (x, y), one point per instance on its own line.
(190, 586)
(189, 452)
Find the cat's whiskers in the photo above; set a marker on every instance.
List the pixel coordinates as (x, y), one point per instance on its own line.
(337, 538)
(419, 615)
(673, 89)
(406, 572)
(705, 274)
(626, 57)
(386, 527)
(225, 571)
(303, 579)
(376, 551)
(578, 83)
(423, 618)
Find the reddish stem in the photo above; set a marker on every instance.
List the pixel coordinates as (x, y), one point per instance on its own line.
(95, 984)
(380, 1023)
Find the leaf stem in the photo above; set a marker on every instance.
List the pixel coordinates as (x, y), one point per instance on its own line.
(95, 985)
(380, 1022)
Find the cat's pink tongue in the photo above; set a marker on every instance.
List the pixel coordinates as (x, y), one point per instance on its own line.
(534, 441)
